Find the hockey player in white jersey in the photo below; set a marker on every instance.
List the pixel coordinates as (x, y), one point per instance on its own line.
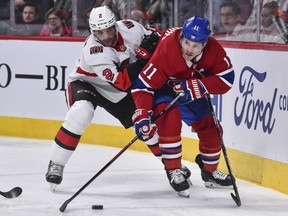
(110, 61)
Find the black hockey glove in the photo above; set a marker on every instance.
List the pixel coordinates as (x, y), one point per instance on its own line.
(147, 47)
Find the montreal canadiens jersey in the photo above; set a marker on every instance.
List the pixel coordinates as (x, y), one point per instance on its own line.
(167, 63)
(102, 66)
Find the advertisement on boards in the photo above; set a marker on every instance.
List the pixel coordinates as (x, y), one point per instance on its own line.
(254, 113)
(33, 79)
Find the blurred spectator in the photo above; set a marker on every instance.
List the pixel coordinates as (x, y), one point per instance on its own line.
(216, 26)
(153, 14)
(5, 29)
(272, 30)
(139, 11)
(4, 9)
(42, 5)
(123, 10)
(166, 11)
(56, 23)
(64, 4)
(246, 8)
(149, 13)
(82, 7)
(30, 23)
(188, 8)
(230, 21)
(160, 12)
(85, 31)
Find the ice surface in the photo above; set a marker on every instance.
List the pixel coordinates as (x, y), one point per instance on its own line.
(135, 184)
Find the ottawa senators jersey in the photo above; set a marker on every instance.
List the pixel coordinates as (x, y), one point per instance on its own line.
(212, 65)
(103, 66)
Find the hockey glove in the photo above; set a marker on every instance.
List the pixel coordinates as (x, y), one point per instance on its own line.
(147, 47)
(143, 125)
(192, 89)
(173, 82)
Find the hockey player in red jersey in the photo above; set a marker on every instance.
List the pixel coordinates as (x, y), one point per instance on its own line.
(186, 60)
(110, 61)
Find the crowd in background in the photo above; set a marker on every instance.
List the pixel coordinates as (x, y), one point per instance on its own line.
(232, 20)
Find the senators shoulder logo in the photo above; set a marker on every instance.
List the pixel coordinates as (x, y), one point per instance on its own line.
(96, 49)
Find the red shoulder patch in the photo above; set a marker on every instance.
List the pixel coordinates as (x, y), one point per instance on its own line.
(96, 49)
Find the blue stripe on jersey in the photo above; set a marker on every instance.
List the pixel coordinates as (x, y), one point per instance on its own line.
(228, 76)
(140, 86)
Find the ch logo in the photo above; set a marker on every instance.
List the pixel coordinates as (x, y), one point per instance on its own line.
(196, 28)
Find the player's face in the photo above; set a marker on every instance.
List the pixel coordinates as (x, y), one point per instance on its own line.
(190, 49)
(107, 36)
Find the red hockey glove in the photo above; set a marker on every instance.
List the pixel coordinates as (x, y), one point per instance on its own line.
(147, 47)
(192, 89)
(143, 125)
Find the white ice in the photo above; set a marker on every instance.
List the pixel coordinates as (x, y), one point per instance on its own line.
(135, 184)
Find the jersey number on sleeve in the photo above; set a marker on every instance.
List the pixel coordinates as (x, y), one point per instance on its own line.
(227, 61)
(150, 71)
(107, 73)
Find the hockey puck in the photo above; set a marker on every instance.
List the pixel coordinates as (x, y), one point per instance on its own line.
(97, 207)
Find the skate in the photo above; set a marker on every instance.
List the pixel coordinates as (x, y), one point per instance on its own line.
(216, 179)
(54, 175)
(186, 173)
(178, 182)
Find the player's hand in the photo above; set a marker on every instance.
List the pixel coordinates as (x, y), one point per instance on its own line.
(192, 89)
(147, 47)
(173, 82)
(143, 125)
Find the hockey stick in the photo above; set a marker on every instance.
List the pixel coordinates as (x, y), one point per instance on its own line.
(14, 192)
(235, 197)
(64, 205)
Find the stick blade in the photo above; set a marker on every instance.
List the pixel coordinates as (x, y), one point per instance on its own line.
(17, 191)
(64, 206)
(236, 199)
(14, 192)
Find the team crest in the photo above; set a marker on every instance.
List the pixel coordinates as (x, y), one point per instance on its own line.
(96, 49)
(100, 15)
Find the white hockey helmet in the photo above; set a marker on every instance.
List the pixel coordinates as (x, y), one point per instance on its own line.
(101, 18)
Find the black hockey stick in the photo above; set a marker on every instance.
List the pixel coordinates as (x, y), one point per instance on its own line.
(14, 192)
(235, 197)
(64, 205)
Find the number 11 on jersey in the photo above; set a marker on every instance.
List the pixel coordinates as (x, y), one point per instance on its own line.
(150, 71)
